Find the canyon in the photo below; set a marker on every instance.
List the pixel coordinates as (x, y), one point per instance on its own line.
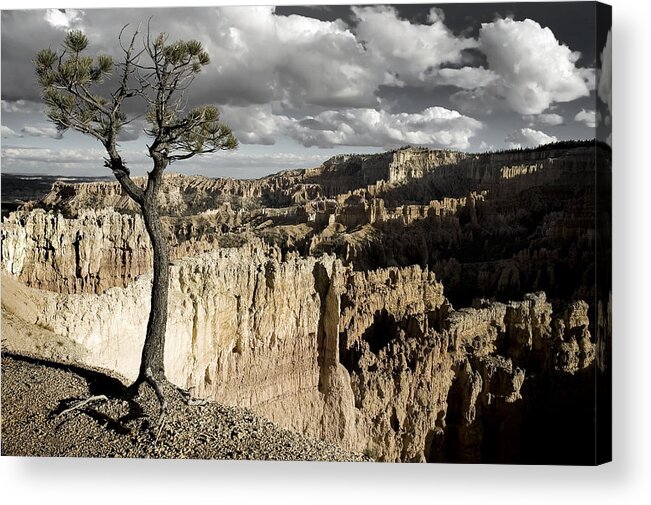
(415, 305)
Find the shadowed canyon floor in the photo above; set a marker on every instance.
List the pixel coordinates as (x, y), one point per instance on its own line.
(418, 305)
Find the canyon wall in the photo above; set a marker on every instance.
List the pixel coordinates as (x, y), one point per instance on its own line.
(409, 174)
(100, 249)
(368, 360)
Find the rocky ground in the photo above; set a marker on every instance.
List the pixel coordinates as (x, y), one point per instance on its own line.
(35, 392)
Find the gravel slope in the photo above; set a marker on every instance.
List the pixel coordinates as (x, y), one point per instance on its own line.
(33, 392)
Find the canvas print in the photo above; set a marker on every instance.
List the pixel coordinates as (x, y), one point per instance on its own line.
(376, 233)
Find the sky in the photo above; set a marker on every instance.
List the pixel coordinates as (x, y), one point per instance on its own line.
(301, 84)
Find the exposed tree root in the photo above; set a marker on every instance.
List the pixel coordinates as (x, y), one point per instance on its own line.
(151, 380)
(161, 423)
(82, 403)
(128, 395)
(131, 395)
(189, 399)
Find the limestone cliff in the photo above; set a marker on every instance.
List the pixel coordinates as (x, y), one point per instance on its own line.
(364, 359)
(368, 301)
(408, 174)
(97, 250)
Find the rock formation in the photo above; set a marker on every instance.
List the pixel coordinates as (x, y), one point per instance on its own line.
(364, 359)
(368, 302)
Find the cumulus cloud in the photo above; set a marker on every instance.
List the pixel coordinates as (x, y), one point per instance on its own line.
(63, 19)
(20, 106)
(546, 119)
(411, 52)
(8, 132)
(604, 89)
(587, 117)
(261, 56)
(466, 77)
(42, 131)
(535, 70)
(319, 81)
(434, 126)
(297, 61)
(253, 124)
(257, 56)
(527, 137)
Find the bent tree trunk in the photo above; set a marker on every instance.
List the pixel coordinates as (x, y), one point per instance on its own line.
(152, 365)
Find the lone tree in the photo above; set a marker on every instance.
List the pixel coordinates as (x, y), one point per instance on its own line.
(76, 90)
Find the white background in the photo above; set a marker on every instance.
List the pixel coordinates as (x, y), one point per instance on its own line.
(626, 480)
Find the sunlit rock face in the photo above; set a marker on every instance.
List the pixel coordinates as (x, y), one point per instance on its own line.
(417, 305)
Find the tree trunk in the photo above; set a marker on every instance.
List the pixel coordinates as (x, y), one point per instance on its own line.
(152, 364)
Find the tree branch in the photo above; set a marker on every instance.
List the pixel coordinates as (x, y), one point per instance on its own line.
(191, 154)
(122, 174)
(68, 78)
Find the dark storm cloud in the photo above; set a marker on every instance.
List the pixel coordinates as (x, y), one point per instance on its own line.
(559, 36)
(322, 12)
(573, 23)
(22, 33)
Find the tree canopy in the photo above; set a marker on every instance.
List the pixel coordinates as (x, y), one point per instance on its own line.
(74, 84)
